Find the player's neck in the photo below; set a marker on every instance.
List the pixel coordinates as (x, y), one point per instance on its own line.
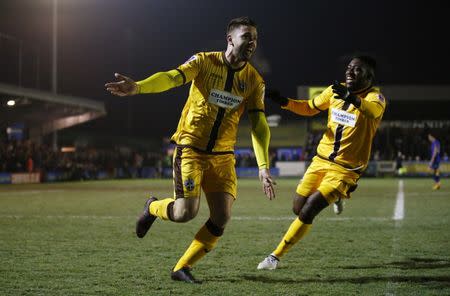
(361, 89)
(232, 60)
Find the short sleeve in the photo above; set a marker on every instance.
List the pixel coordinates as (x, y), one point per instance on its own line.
(376, 97)
(191, 67)
(255, 102)
(322, 101)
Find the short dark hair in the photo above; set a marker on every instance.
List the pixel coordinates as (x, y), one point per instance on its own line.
(240, 21)
(432, 133)
(369, 61)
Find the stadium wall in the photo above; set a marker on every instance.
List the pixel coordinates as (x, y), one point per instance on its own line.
(281, 169)
(286, 134)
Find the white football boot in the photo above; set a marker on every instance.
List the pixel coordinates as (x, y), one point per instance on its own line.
(270, 263)
(338, 206)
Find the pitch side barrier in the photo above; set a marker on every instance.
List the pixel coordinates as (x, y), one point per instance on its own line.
(281, 169)
(374, 169)
(19, 178)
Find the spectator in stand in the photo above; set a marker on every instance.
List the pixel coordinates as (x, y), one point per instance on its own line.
(30, 164)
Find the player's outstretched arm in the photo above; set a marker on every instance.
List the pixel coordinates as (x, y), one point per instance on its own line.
(161, 81)
(274, 96)
(301, 107)
(156, 83)
(125, 86)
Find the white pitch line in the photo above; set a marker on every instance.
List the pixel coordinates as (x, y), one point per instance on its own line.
(238, 218)
(290, 218)
(399, 212)
(81, 217)
(28, 192)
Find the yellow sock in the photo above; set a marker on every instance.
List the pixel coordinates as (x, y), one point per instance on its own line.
(158, 208)
(296, 231)
(203, 242)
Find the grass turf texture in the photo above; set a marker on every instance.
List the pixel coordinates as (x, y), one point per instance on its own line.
(78, 239)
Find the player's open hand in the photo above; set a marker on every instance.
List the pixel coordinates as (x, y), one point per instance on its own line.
(267, 183)
(124, 87)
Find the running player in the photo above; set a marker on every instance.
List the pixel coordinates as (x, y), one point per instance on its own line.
(435, 160)
(355, 109)
(223, 85)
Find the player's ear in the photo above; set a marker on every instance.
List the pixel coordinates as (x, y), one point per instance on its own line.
(230, 40)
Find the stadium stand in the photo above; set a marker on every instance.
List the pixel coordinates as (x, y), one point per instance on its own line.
(41, 113)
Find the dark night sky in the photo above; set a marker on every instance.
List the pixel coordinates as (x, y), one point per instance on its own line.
(304, 42)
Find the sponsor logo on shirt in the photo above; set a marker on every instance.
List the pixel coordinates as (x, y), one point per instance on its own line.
(224, 99)
(343, 117)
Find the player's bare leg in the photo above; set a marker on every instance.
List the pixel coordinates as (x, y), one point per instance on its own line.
(177, 210)
(185, 209)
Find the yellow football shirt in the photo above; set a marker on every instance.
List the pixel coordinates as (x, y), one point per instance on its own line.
(350, 130)
(217, 98)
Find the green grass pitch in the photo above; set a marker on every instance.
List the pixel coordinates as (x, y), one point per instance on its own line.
(78, 239)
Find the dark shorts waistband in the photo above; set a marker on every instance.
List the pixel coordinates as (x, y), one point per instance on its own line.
(203, 151)
(356, 170)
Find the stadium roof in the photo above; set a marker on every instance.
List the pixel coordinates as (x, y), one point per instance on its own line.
(44, 112)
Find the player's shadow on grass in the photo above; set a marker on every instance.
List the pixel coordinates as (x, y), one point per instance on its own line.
(435, 281)
(410, 263)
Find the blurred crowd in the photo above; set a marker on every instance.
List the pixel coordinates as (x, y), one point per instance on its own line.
(123, 162)
(411, 143)
(83, 163)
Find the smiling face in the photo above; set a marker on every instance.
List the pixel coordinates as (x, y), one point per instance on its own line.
(358, 75)
(243, 40)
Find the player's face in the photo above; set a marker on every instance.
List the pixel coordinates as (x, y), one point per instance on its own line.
(244, 42)
(357, 75)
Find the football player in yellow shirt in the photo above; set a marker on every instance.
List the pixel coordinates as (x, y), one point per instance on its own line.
(355, 109)
(223, 85)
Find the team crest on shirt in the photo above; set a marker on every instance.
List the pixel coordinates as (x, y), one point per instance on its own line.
(242, 85)
(381, 98)
(192, 58)
(189, 184)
